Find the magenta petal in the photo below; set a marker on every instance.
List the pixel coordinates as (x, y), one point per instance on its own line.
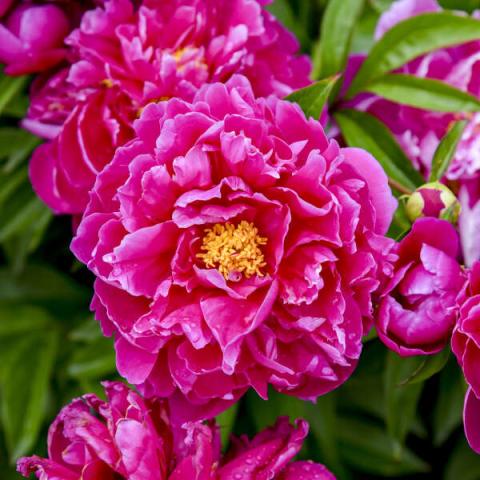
(139, 451)
(381, 196)
(306, 471)
(133, 363)
(471, 420)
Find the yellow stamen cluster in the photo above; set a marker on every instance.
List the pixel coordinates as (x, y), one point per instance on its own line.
(234, 249)
(107, 82)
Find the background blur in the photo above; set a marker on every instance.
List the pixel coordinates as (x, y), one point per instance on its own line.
(52, 350)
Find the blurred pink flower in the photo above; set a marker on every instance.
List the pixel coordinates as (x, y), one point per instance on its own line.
(419, 131)
(4, 6)
(466, 336)
(32, 38)
(235, 246)
(416, 314)
(127, 437)
(125, 58)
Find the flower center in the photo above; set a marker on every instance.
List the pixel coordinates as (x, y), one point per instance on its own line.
(234, 249)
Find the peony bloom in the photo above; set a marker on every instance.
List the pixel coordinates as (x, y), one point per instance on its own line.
(466, 336)
(419, 131)
(126, 58)
(127, 437)
(416, 314)
(471, 420)
(31, 38)
(235, 246)
(466, 347)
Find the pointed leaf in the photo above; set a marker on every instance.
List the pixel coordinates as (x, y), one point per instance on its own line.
(313, 98)
(361, 129)
(448, 410)
(401, 400)
(446, 150)
(22, 319)
(427, 367)
(9, 88)
(25, 389)
(338, 23)
(464, 463)
(366, 447)
(410, 39)
(423, 93)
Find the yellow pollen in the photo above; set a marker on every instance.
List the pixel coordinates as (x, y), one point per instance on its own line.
(107, 82)
(234, 249)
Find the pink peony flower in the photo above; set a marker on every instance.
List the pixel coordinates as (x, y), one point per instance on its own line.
(416, 314)
(471, 420)
(235, 246)
(419, 131)
(466, 347)
(126, 58)
(466, 336)
(127, 437)
(31, 38)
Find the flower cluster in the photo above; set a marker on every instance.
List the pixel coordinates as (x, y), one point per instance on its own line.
(124, 58)
(235, 246)
(127, 437)
(420, 131)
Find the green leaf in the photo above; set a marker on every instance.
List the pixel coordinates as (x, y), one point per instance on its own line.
(447, 413)
(22, 319)
(40, 284)
(10, 87)
(366, 447)
(446, 150)
(11, 182)
(322, 418)
(401, 400)
(364, 393)
(361, 129)
(265, 413)
(25, 390)
(226, 421)
(338, 23)
(427, 367)
(26, 215)
(95, 360)
(313, 98)
(401, 224)
(282, 10)
(467, 5)
(423, 93)
(464, 464)
(412, 38)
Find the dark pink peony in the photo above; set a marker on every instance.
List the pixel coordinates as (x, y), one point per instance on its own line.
(127, 437)
(416, 314)
(466, 347)
(235, 246)
(466, 336)
(419, 131)
(125, 58)
(32, 38)
(471, 420)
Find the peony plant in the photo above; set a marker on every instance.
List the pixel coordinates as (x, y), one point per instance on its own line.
(275, 205)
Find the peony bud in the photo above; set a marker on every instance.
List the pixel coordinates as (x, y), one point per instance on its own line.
(433, 200)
